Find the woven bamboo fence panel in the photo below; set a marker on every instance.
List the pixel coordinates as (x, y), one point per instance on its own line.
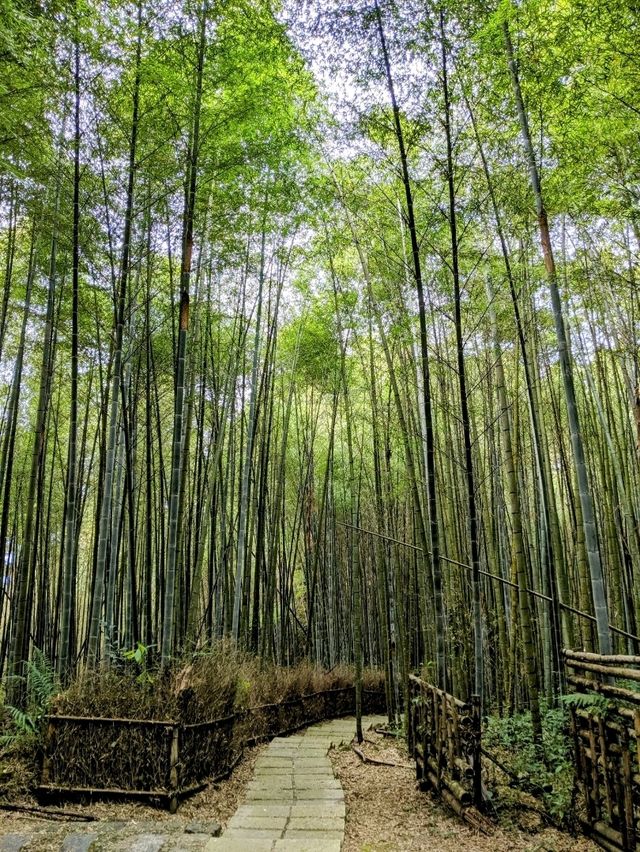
(606, 737)
(168, 759)
(445, 742)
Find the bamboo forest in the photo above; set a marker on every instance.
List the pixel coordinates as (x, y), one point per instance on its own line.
(320, 365)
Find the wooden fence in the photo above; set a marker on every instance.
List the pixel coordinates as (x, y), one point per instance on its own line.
(606, 735)
(445, 741)
(168, 759)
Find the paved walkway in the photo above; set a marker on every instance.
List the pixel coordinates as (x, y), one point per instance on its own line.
(294, 802)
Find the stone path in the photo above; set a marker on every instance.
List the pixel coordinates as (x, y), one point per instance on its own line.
(294, 802)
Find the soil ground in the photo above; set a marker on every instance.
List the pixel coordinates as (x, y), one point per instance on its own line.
(387, 813)
(216, 803)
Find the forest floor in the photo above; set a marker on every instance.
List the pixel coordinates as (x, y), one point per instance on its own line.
(385, 813)
(117, 823)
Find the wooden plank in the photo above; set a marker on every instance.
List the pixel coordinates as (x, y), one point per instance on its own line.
(581, 766)
(451, 750)
(477, 746)
(431, 710)
(603, 659)
(606, 838)
(636, 727)
(617, 820)
(595, 789)
(457, 761)
(607, 671)
(46, 762)
(610, 724)
(440, 733)
(174, 757)
(425, 736)
(457, 701)
(606, 761)
(454, 787)
(411, 738)
(615, 692)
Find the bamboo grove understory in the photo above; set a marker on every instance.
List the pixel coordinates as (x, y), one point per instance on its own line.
(319, 331)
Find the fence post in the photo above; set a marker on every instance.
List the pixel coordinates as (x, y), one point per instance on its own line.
(48, 750)
(477, 753)
(411, 720)
(174, 756)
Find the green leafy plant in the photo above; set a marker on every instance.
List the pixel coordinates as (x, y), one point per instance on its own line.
(545, 772)
(428, 671)
(591, 702)
(631, 685)
(41, 686)
(139, 656)
(22, 724)
(243, 690)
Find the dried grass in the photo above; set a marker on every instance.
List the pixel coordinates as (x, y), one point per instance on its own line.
(212, 685)
(220, 699)
(18, 770)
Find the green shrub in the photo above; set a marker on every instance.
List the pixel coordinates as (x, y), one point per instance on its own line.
(41, 686)
(511, 738)
(21, 730)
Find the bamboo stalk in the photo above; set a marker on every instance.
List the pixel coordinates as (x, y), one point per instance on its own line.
(606, 837)
(455, 788)
(628, 790)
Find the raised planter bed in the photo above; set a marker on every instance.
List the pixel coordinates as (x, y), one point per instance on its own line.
(170, 759)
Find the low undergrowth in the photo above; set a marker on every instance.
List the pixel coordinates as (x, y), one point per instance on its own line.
(213, 684)
(545, 774)
(21, 729)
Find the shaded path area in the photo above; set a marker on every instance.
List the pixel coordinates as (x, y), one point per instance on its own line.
(294, 802)
(112, 836)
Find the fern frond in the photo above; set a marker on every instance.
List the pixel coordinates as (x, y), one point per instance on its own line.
(41, 682)
(8, 740)
(21, 720)
(587, 701)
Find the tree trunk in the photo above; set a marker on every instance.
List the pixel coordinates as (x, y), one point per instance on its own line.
(577, 443)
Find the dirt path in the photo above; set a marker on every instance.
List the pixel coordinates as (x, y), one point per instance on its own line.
(386, 813)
